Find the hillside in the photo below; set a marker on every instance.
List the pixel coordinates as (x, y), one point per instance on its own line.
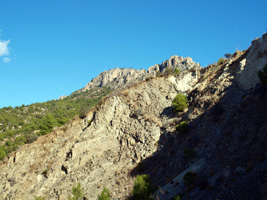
(24, 124)
(134, 131)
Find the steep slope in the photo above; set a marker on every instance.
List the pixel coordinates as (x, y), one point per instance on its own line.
(119, 136)
(225, 144)
(24, 124)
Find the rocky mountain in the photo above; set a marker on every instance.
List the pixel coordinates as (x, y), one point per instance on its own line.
(134, 132)
(117, 78)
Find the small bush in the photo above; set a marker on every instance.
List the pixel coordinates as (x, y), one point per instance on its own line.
(177, 197)
(177, 71)
(77, 192)
(263, 75)
(179, 103)
(31, 138)
(142, 188)
(227, 55)
(83, 113)
(105, 195)
(168, 71)
(182, 127)
(190, 178)
(2, 154)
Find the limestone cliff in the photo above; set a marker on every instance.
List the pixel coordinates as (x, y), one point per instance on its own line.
(225, 143)
(117, 78)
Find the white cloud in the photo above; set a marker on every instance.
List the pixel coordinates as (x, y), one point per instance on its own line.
(6, 59)
(4, 51)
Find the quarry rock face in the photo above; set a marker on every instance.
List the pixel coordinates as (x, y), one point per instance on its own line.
(224, 144)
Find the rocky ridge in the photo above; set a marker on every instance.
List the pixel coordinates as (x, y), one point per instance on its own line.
(227, 133)
(117, 78)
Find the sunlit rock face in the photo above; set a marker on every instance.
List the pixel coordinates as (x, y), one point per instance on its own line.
(225, 140)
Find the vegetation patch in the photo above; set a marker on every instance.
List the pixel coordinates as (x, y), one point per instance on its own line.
(105, 195)
(142, 188)
(177, 71)
(24, 124)
(77, 192)
(177, 197)
(179, 103)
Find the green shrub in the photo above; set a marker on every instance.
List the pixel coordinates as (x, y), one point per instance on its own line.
(182, 127)
(105, 195)
(168, 71)
(177, 197)
(190, 178)
(142, 188)
(2, 154)
(227, 55)
(31, 138)
(179, 103)
(77, 192)
(263, 75)
(177, 71)
(83, 112)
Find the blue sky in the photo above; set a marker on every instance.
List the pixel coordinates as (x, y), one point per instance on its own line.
(50, 48)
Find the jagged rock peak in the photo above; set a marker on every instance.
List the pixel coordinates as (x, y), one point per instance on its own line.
(179, 62)
(119, 77)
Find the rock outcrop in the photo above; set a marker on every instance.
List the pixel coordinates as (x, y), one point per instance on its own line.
(124, 131)
(118, 78)
(176, 62)
(254, 61)
(225, 143)
(115, 78)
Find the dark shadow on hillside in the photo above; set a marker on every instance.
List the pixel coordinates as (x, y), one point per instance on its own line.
(168, 112)
(228, 135)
